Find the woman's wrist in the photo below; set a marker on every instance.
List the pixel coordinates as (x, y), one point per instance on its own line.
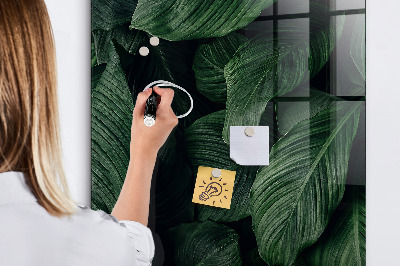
(146, 153)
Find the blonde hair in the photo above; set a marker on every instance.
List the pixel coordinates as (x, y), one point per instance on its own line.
(29, 119)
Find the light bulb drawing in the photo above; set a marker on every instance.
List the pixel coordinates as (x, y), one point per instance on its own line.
(213, 189)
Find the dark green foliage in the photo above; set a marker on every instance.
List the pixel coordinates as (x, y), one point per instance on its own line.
(209, 63)
(130, 40)
(107, 14)
(178, 20)
(343, 242)
(257, 67)
(205, 145)
(111, 126)
(288, 213)
(293, 198)
(174, 185)
(200, 244)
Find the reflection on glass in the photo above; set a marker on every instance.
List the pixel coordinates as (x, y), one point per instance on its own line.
(289, 113)
(292, 6)
(298, 29)
(268, 12)
(347, 4)
(257, 29)
(348, 68)
(356, 174)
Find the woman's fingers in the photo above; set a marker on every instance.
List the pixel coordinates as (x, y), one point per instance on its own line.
(167, 95)
(141, 102)
(163, 109)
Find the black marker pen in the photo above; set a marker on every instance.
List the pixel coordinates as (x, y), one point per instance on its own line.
(150, 110)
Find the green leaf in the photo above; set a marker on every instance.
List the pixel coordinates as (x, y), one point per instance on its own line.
(131, 40)
(177, 20)
(293, 198)
(97, 72)
(205, 146)
(343, 242)
(357, 46)
(291, 113)
(209, 62)
(253, 258)
(93, 56)
(205, 243)
(111, 127)
(173, 185)
(258, 71)
(108, 14)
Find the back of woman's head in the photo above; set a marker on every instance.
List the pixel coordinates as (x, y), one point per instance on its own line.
(29, 126)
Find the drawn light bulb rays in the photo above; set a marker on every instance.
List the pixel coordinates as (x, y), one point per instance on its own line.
(213, 189)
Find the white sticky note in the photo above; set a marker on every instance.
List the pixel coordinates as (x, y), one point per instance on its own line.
(249, 145)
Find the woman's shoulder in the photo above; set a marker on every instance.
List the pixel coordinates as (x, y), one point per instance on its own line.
(87, 214)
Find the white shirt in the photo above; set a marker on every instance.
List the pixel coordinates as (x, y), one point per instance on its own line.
(31, 236)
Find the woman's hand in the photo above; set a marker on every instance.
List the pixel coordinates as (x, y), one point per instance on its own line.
(133, 201)
(148, 140)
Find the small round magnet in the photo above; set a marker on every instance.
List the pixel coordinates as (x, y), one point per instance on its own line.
(144, 51)
(216, 173)
(154, 41)
(249, 131)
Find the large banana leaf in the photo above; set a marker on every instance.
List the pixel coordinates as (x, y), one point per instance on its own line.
(209, 62)
(293, 198)
(202, 243)
(258, 71)
(111, 126)
(107, 14)
(177, 20)
(343, 242)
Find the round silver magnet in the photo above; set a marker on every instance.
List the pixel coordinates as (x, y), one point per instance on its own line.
(249, 131)
(216, 172)
(154, 41)
(144, 51)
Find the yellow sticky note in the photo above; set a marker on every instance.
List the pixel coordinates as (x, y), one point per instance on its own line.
(214, 191)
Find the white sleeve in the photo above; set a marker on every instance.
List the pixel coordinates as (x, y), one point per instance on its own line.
(143, 240)
(140, 237)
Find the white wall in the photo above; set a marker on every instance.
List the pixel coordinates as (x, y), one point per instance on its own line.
(71, 25)
(383, 127)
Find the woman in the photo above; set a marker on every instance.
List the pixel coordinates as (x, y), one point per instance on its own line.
(40, 224)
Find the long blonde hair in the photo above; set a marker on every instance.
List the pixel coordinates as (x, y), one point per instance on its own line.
(29, 119)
